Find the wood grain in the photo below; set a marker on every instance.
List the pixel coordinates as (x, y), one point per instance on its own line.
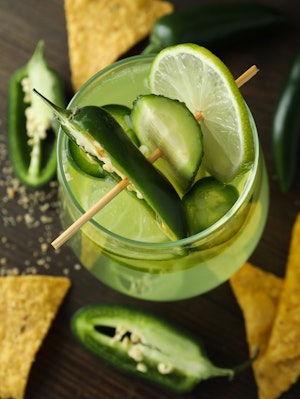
(62, 368)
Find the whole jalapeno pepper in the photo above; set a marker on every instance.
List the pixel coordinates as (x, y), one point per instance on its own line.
(212, 25)
(145, 345)
(95, 130)
(286, 128)
(31, 133)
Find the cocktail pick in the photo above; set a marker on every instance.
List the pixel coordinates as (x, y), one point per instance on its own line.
(74, 227)
(246, 76)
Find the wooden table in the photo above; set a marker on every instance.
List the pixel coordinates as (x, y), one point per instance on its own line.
(62, 369)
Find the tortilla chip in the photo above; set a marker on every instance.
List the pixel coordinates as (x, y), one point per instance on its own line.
(258, 293)
(285, 337)
(28, 304)
(100, 31)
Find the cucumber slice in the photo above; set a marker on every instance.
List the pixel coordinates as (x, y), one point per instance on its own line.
(160, 122)
(207, 202)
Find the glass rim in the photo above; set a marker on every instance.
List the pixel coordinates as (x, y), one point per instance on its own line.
(172, 244)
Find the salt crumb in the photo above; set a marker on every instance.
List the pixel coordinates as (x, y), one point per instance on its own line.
(44, 247)
(36, 210)
(46, 219)
(3, 261)
(77, 266)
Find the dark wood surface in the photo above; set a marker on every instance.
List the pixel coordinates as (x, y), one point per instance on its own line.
(62, 369)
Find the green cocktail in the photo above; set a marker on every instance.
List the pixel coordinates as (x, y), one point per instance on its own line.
(123, 245)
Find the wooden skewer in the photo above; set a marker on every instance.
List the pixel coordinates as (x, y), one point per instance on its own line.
(242, 79)
(68, 233)
(247, 75)
(73, 228)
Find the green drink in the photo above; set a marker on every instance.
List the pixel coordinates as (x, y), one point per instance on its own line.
(123, 245)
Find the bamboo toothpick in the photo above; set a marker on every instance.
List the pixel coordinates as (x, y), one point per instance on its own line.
(247, 75)
(73, 228)
(240, 81)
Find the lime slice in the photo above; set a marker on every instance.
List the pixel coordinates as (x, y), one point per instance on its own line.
(193, 75)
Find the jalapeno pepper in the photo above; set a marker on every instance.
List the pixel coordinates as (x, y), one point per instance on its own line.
(143, 344)
(95, 130)
(88, 163)
(286, 128)
(31, 134)
(213, 25)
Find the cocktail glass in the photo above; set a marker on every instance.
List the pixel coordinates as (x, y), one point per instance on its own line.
(161, 271)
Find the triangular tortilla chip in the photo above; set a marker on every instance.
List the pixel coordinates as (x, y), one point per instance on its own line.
(257, 293)
(100, 31)
(28, 304)
(285, 337)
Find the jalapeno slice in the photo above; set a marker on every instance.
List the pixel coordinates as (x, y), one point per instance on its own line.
(90, 164)
(122, 114)
(207, 201)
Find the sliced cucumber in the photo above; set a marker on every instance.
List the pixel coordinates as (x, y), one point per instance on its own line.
(160, 122)
(207, 202)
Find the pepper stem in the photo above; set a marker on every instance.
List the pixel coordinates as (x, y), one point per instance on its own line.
(247, 363)
(155, 45)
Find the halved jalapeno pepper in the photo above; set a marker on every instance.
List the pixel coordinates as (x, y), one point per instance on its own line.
(31, 131)
(94, 129)
(143, 344)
